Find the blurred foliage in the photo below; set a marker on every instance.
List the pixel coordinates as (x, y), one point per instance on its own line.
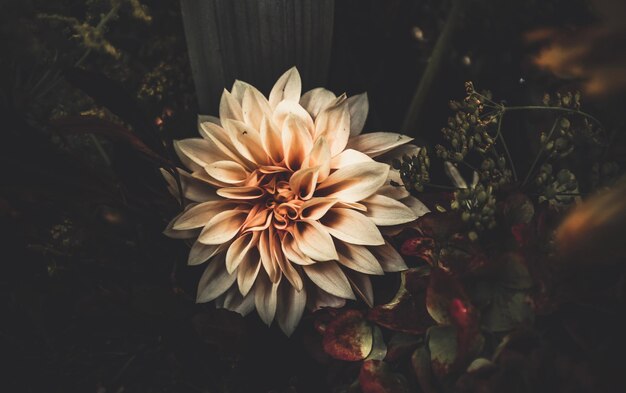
(94, 298)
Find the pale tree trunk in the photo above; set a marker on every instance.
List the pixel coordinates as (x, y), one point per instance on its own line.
(255, 41)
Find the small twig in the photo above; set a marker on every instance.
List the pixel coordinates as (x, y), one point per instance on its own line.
(413, 114)
(543, 147)
(554, 108)
(504, 146)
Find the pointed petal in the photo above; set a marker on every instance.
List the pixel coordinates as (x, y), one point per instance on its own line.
(209, 119)
(246, 141)
(290, 308)
(197, 152)
(362, 286)
(228, 172)
(201, 253)
(223, 227)
(359, 107)
(389, 258)
(214, 281)
(333, 123)
(287, 109)
(230, 108)
(243, 193)
(194, 189)
(355, 182)
(269, 264)
(234, 301)
(376, 143)
(314, 241)
(323, 299)
(303, 182)
(288, 87)
(358, 258)
(293, 253)
(248, 271)
(315, 100)
(255, 107)
(329, 277)
(418, 208)
(316, 208)
(271, 140)
(199, 215)
(349, 157)
(265, 298)
(239, 251)
(239, 89)
(320, 157)
(352, 227)
(297, 142)
(386, 211)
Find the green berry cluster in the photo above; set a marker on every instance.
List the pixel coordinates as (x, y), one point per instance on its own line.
(495, 172)
(414, 170)
(470, 129)
(558, 189)
(477, 206)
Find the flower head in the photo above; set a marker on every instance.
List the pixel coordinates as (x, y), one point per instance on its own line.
(287, 203)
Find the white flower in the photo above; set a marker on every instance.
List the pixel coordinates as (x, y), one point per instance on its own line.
(286, 201)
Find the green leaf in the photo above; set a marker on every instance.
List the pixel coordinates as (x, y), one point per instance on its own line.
(442, 344)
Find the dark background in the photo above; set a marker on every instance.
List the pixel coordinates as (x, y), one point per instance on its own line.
(93, 298)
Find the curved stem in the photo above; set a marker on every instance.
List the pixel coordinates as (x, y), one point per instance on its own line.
(553, 108)
(543, 147)
(504, 146)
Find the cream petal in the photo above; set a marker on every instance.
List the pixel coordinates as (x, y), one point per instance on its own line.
(315, 100)
(355, 182)
(271, 140)
(255, 107)
(330, 277)
(290, 308)
(389, 258)
(288, 271)
(214, 281)
(222, 227)
(194, 189)
(376, 143)
(320, 157)
(246, 141)
(234, 301)
(297, 143)
(199, 151)
(303, 182)
(288, 87)
(200, 214)
(239, 89)
(243, 193)
(222, 138)
(293, 253)
(315, 208)
(265, 298)
(404, 150)
(187, 162)
(386, 211)
(314, 241)
(359, 107)
(239, 251)
(247, 273)
(349, 157)
(362, 286)
(323, 299)
(201, 253)
(352, 227)
(267, 259)
(230, 108)
(174, 234)
(208, 119)
(418, 208)
(228, 172)
(288, 109)
(358, 258)
(454, 175)
(333, 123)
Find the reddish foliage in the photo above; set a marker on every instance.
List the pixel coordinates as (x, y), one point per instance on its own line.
(348, 336)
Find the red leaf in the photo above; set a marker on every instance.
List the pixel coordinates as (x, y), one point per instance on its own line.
(376, 377)
(421, 247)
(348, 337)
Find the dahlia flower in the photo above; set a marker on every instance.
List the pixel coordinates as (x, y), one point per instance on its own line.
(286, 201)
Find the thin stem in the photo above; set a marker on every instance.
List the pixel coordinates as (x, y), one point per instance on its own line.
(504, 146)
(441, 49)
(543, 147)
(553, 108)
(470, 166)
